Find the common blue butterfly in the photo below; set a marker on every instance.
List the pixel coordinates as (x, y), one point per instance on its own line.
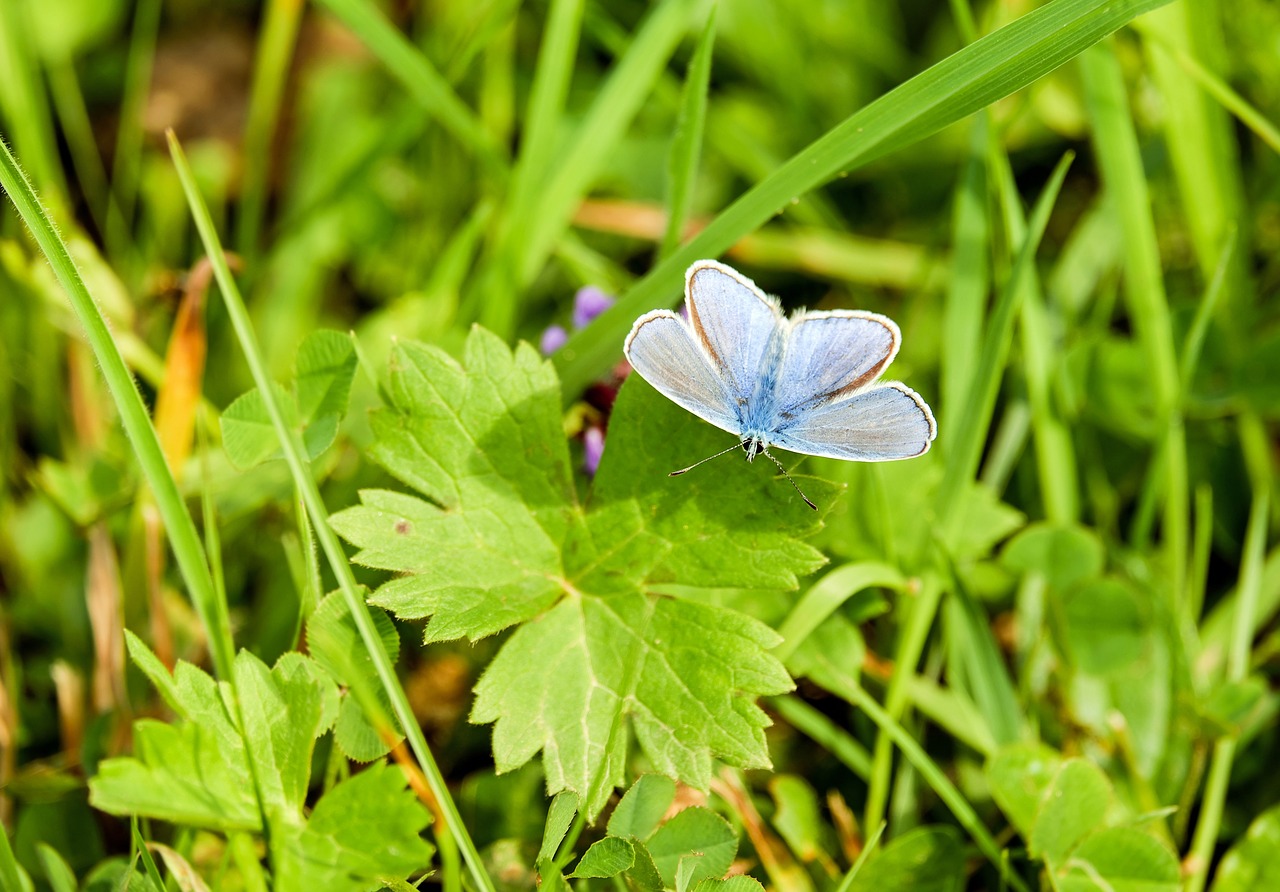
(809, 383)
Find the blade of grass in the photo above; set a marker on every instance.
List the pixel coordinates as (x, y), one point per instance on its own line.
(972, 78)
(127, 165)
(824, 732)
(133, 415)
(1212, 803)
(545, 112)
(1198, 136)
(531, 232)
(964, 448)
(964, 813)
(826, 595)
(1123, 176)
(686, 144)
(1055, 455)
(309, 493)
(77, 128)
(424, 82)
(965, 304)
(270, 70)
(23, 103)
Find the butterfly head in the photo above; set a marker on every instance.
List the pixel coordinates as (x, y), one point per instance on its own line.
(752, 446)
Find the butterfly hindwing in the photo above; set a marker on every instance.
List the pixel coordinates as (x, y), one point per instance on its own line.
(887, 422)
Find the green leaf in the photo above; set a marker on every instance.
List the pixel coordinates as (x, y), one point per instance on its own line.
(729, 524)
(1064, 555)
(678, 669)
(325, 365)
(1074, 805)
(605, 858)
(500, 539)
(694, 831)
(284, 709)
(362, 833)
(1231, 705)
(334, 643)
(247, 434)
(1122, 859)
(643, 875)
(796, 815)
(564, 808)
(1020, 774)
(926, 859)
(1106, 626)
(224, 770)
(642, 807)
(195, 772)
(740, 883)
(1254, 861)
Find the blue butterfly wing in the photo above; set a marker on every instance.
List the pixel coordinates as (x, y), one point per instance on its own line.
(830, 356)
(734, 323)
(664, 350)
(886, 422)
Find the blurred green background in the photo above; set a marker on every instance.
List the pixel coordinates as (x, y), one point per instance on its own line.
(367, 164)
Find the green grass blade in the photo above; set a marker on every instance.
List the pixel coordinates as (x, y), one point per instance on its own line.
(936, 778)
(1213, 801)
(271, 69)
(133, 415)
(423, 81)
(686, 145)
(309, 492)
(826, 595)
(23, 103)
(127, 165)
(1124, 178)
(1055, 455)
(972, 78)
(964, 443)
(964, 449)
(823, 731)
(970, 277)
(547, 94)
(619, 99)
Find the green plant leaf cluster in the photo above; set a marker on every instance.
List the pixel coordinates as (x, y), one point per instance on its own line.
(499, 538)
(1067, 812)
(244, 764)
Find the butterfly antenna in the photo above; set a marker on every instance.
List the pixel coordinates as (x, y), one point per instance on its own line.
(789, 480)
(705, 460)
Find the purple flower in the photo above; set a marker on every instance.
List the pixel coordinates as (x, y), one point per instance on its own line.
(592, 449)
(553, 339)
(589, 303)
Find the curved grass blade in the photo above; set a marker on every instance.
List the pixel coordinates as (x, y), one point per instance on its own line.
(981, 73)
(309, 493)
(133, 415)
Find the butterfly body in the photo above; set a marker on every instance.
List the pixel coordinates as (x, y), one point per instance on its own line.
(807, 384)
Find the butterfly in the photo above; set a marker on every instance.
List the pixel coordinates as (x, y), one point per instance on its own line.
(809, 383)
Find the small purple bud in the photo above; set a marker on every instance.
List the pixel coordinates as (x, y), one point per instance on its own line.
(589, 303)
(553, 339)
(592, 449)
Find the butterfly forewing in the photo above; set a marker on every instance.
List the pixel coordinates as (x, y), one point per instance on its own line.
(884, 423)
(734, 323)
(663, 349)
(830, 356)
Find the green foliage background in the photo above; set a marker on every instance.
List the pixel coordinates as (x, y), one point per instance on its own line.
(1041, 656)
